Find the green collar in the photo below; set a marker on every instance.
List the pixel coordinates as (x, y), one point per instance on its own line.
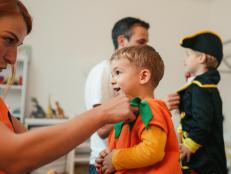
(145, 112)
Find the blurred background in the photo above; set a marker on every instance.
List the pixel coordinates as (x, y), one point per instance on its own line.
(70, 36)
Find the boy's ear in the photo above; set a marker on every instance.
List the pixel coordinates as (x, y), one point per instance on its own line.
(202, 58)
(145, 76)
(122, 41)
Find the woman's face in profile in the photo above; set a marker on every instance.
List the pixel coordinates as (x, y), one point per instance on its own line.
(12, 33)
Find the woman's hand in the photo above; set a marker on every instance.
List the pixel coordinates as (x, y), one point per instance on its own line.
(118, 109)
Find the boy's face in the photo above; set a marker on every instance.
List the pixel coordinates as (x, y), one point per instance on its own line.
(192, 62)
(125, 77)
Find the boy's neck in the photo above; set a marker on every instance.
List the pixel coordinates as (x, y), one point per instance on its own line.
(145, 93)
(200, 71)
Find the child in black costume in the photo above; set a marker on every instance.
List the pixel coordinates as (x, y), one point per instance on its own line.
(202, 148)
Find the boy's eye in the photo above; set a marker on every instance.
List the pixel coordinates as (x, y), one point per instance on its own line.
(117, 72)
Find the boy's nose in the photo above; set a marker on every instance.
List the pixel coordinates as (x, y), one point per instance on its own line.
(113, 81)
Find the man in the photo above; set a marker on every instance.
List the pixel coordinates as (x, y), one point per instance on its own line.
(126, 32)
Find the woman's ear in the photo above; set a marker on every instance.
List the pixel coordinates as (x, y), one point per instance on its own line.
(122, 41)
(145, 76)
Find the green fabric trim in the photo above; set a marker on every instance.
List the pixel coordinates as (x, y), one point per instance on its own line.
(118, 128)
(145, 112)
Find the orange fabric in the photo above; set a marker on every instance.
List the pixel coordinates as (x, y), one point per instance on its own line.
(150, 150)
(4, 118)
(193, 172)
(129, 138)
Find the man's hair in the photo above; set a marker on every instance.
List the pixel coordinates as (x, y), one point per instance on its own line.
(124, 27)
(143, 56)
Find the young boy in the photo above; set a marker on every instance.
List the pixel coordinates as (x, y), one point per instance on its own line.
(202, 149)
(149, 144)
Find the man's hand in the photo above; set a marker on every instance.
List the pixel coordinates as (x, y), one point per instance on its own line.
(185, 153)
(107, 164)
(172, 101)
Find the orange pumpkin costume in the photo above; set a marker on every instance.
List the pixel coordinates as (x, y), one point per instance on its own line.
(5, 118)
(130, 137)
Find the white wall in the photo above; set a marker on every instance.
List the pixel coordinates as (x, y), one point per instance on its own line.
(70, 36)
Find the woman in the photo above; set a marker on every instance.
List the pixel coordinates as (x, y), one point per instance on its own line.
(22, 151)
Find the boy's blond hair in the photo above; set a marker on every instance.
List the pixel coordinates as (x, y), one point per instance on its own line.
(143, 56)
(211, 61)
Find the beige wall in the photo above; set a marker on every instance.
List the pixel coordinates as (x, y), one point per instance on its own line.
(70, 36)
(220, 10)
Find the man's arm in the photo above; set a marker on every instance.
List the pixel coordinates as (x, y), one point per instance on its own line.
(104, 131)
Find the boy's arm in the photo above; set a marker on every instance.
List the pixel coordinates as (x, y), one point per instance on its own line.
(146, 153)
(202, 117)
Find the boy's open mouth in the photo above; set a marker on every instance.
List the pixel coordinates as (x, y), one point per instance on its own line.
(117, 89)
